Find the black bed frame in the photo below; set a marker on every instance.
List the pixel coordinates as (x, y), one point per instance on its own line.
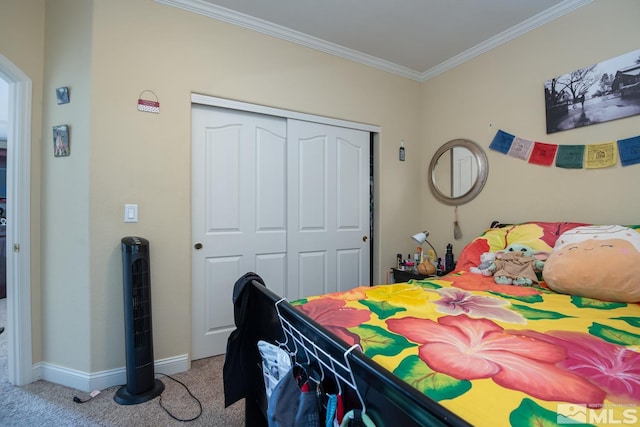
(389, 401)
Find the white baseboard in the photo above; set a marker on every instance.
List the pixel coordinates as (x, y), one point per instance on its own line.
(101, 380)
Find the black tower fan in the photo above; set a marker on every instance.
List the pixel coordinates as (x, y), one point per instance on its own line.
(141, 382)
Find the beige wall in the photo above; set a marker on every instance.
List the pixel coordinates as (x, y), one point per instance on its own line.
(119, 155)
(22, 43)
(67, 284)
(145, 158)
(503, 89)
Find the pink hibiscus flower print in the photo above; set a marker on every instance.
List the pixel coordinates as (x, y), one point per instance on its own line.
(469, 349)
(475, 282)
(613, 368)
(456, 301)
(334, 315)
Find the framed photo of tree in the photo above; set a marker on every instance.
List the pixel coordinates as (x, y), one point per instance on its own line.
(601, 92)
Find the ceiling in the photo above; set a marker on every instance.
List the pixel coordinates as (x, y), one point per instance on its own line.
(414, 38)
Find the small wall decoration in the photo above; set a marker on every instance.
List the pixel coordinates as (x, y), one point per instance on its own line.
(584, 156)
(595, 94)
(61, 146)
(148, 105)
(62, 95)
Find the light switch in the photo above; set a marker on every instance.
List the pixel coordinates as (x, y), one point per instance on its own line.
(130, 213)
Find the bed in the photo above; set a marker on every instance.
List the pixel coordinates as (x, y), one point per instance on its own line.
(454, 350)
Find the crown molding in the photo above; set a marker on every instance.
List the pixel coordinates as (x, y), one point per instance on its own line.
(524, 27)
(236, 18)
(269, 28)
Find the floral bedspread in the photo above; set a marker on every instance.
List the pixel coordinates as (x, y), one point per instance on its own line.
(497, 355)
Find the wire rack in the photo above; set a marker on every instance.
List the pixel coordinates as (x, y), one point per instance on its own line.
(340, 369)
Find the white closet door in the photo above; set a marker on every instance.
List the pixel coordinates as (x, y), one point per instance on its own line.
(328, 205)
(239, 215)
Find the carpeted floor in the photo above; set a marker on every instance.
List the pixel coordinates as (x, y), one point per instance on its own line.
(45, 404)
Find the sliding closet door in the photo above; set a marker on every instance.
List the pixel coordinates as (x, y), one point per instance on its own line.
(287, 199)
(239, 214)
(328, 205)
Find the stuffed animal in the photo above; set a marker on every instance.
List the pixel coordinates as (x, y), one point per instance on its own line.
(486, 259)
(598, 261)
(517, 265)
(426, 268)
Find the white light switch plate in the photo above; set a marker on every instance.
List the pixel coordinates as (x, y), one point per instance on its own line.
(130, 213)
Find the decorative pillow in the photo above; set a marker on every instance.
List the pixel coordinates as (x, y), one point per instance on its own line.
(599, 261)
(540, 236)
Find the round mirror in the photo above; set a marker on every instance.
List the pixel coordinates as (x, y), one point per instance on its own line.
(458, 171)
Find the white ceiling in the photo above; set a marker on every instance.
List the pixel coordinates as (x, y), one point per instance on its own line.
(414, 38)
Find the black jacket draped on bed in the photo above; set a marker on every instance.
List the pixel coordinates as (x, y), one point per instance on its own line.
(241, 350)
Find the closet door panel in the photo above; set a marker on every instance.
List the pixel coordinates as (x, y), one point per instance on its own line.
(271, 169)
(312, 277)
(272, 268)
(350, 176)
(219, 269)
(238, 214)
(312, 176)
(347, 268)
(223, 158)
(328, 207)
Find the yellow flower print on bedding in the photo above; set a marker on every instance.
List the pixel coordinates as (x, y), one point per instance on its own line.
(403, 294)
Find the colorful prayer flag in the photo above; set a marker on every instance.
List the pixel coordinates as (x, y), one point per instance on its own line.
(520, 148)
(502, 142)
(543, 154)
(600, 155)
(629, 150)
(570, 156)
(590, 156)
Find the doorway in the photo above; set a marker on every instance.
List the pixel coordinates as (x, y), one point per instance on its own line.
(18, 219)
(4, 119)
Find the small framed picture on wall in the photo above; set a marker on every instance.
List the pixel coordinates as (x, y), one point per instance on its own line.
(62, 95)
(61, 146)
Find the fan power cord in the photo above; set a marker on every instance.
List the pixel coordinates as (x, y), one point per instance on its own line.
(190, 394)
(93, 394)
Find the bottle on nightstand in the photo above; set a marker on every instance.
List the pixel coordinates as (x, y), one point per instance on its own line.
(449, 264)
